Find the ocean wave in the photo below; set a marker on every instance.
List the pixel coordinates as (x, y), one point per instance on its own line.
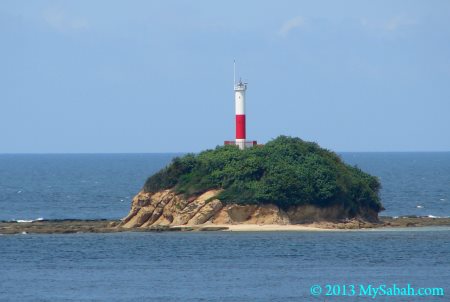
(419, 216)
(28, 220)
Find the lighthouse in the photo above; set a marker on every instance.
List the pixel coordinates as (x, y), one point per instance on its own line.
(239, 105)
(239, 102)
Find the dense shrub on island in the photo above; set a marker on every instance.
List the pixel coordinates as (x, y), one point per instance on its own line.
(286, 172)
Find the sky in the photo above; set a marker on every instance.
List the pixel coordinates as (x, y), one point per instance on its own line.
(157, 76)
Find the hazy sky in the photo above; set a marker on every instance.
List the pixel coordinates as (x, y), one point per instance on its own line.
(156, 76)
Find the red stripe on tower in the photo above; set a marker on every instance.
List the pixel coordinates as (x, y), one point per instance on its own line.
(240, 126)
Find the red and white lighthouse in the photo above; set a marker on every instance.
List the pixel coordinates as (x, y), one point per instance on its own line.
(239, 101)
(239, 104)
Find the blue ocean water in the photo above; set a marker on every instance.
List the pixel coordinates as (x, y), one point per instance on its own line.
(205, 266)
(84, 186)
(210, 266)
(91, 186)
(413, 183)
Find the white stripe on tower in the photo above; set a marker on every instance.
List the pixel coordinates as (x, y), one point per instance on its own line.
(239, 98)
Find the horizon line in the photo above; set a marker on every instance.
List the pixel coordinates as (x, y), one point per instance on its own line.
(186, 152)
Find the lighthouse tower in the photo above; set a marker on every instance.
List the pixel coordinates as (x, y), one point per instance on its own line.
(239, 105)
(239, 101)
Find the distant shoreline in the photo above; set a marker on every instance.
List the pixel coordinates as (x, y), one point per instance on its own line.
(70, 226)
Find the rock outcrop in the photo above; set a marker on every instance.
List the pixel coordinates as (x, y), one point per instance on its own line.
(165, 208)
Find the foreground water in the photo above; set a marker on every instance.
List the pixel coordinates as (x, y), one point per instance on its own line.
(92, 186)
(278, 266)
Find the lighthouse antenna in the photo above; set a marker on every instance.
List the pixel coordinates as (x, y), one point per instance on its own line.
(234, 73)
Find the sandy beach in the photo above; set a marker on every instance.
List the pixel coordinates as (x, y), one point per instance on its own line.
(267, 228)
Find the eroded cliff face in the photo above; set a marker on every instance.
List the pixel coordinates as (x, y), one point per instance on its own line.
(165, 208)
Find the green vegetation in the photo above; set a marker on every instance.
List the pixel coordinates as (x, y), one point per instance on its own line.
(286, 171)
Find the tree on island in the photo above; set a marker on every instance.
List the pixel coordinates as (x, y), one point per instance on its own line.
(286, 172)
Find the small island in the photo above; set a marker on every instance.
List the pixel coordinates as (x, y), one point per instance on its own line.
(286, 185)
(284, 182)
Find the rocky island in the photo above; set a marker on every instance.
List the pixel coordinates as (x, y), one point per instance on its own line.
(287, 184)
(287, 181)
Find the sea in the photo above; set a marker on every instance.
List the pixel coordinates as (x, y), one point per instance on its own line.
(215, 266)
